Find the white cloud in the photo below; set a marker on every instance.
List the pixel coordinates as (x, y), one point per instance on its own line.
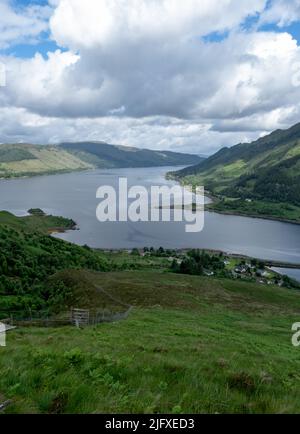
(17, 125)
(103, 23)
(19, 26)
(38, 84)
(282, 12)
(191, 80)
(137, 72)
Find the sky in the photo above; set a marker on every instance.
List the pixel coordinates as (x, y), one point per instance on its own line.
(190, 76)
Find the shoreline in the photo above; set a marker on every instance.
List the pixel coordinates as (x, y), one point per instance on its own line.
(214, 199)
(253, 216)
(267, 262)
(87, 169)
(208, 207)
(36, 175)
(52, 231)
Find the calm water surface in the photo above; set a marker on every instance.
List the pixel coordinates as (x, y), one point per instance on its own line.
(291, 272)
(74, 195)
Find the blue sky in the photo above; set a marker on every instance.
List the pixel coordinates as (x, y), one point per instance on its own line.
(188, 76)
(24, 3)
(28, 50)
(44, 43)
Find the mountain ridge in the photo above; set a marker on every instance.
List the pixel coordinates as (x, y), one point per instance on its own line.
(125, 156)
(263, 172)
(28, 160)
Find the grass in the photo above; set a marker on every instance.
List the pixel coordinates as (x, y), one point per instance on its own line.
(191, 345)
(257, 208)
(125, 260)
(10, 154)
(35, 223)
(250, 208)
(30, 160)
(266, 171)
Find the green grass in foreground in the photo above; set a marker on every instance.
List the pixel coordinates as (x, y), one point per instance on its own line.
(192, 344)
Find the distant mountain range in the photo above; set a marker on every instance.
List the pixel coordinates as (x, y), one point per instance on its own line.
(267, 170)
(101, 154)
(29, 160)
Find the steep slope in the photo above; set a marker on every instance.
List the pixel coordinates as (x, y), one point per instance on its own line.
(101, 154)
(265, 170)
(29, 256)
(29, 160)
(190, 345)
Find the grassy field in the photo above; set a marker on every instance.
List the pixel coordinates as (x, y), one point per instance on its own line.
(191, 344)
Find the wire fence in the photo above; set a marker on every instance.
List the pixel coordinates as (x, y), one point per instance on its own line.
(76, 316)
(70, 318)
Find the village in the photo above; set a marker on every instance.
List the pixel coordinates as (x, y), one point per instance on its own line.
(218, 264)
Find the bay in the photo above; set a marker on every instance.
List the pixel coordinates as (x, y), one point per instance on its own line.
(74, 195)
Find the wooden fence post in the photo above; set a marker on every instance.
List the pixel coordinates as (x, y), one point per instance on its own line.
(80, 317)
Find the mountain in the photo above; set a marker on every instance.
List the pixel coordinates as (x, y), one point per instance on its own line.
(29, 160)
(248, 174)
(103, 155)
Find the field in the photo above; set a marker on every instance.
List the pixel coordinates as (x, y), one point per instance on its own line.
(191, 344)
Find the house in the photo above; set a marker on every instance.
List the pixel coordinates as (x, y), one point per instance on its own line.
(241, 269)
(262, 273)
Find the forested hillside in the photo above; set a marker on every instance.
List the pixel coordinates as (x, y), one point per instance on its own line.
(28, 257)
(267, 170)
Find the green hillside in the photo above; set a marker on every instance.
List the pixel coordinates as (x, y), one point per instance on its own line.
(29, 256)
(28, 160)
(191, 344)
(258, 178)
(160, 360)
(104, 155)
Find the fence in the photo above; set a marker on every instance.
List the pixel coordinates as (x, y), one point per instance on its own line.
(76, 317)
(80, 317)
(112, 317)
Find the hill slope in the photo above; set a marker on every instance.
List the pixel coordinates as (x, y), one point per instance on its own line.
(101, 154)
(28, 256)
(29, 160)
(267, 170)
(191, 344)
